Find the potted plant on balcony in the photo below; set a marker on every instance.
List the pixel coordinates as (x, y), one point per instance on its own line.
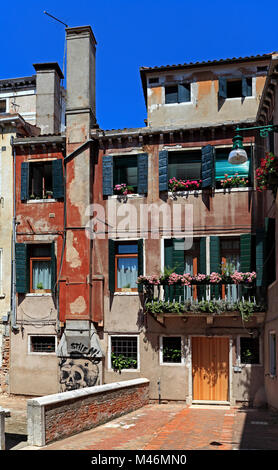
(175, 185)
(123, 189)
(234, 181)
(267, 173)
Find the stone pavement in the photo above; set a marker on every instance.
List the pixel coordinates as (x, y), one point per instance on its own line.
(160, 427)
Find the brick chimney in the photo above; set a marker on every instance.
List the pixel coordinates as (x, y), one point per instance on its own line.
(48, 97)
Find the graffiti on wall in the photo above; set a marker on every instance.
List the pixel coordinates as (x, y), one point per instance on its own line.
(80, 369)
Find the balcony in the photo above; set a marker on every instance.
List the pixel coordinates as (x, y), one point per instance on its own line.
(202, 295)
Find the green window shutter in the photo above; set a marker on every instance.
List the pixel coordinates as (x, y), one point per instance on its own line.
(24, 192)
(260, 256)
(184, 92)
(174, 259)
(168, 262)
(246, 252)
(111, 261)
(107, 175)
(208, 166)
(57, 179)
(222, 91)
(215, 262)
(270, 264)
(163, 170)
(22, 268)
(142, 173)
(246, 86)
(202, 266)
(53, 268)
(140, 261)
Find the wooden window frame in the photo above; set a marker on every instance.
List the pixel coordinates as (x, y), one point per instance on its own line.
(38, 258)
(120, 256)
(43, 164)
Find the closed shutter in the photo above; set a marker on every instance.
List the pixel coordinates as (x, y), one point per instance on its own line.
(215, 262)
(53, 268)
(208, 166)
(163, 170)
(140, 262)
(174, 259)
(24, 193)
(171, 94)
(246, 87)
(142, 173)
(260, 256)
(107, 175)
(58, 179)
(22, 268)
(202, 266)
(222, 91)
(168, 257)
(183, 92)
(111, 261)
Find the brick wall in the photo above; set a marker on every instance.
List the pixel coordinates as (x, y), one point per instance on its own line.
(5, 366)
(58, 416)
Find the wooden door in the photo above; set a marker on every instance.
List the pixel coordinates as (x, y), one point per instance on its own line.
(210, 368)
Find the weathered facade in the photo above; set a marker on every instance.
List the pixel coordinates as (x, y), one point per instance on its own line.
(268, 114)
(193, 342)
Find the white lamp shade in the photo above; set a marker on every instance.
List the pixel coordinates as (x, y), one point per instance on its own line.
(237, 156)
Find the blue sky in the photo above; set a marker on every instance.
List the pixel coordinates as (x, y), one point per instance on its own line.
(131, 34)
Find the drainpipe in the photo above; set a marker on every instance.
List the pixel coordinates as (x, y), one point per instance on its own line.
(13, 289)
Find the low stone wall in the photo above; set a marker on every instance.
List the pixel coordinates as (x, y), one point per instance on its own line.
(58, 416)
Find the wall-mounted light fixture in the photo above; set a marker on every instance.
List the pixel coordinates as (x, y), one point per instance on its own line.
(238, 155)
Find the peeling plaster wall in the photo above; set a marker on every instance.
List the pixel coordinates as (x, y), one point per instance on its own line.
(204, 107)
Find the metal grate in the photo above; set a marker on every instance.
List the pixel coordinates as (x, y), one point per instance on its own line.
(43, 344)
(124, 345)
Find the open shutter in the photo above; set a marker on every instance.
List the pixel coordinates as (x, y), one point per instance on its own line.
(260, 256)
(107, 175)
(168, 262)
(270, 268)
(22, 268)
(183, 92)
(202, 266)
(245, 252)
(142, 173)
(140, 261)
(163, 170)
(215, 262)
(111, 249)
(208, 166)
(222, 91)
(178, 265)
(246, 87)
(58, 179)
(24, 193)
(171, 94)
(53, 268)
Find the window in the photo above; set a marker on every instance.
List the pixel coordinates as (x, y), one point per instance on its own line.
(249, 350)
(125, 171)
(184, 165)
(230, 261)
(42, 180)
(40, 268)
(223, 167)
(235, 88)
(42, 344)
(180, 93)
(124, 352)
(3, 106)
(35, 268)
(171, 350)
(181, 261)
(131, 170)
(272, 353)
(153, 80)
(126, 266)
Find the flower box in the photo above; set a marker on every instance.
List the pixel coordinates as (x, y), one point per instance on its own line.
(175, 185)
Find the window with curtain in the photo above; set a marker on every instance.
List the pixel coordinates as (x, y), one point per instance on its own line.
(126, 266)
(40, 268)
(230, 253)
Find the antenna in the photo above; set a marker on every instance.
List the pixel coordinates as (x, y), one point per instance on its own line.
(56, 19)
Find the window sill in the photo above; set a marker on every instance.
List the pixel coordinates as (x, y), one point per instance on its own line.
(178, 104)
(39, 201)
(127, 196)
(172, 364)
(126, 293)
(199, 191)
(43, 294)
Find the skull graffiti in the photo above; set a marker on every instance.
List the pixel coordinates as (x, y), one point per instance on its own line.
(77, 373)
